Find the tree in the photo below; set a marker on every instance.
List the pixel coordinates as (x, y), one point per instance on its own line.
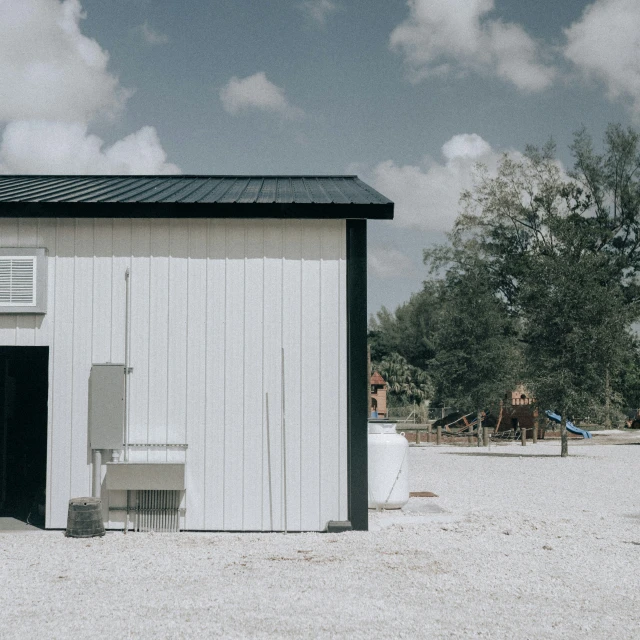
(477, 355)
(562, 254)
(406, 383)
(408, 331)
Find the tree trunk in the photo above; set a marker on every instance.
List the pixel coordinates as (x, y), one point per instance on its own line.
(607, 400)
(480, 429)
(564, 446)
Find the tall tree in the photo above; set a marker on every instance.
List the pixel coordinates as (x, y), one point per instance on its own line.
(563, 254)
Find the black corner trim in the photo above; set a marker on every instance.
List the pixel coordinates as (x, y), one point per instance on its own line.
(357, 382)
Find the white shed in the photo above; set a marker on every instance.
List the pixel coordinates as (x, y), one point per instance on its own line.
(196, 290)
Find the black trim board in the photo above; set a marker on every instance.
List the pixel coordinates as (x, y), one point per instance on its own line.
(357, 383)
(195, 210)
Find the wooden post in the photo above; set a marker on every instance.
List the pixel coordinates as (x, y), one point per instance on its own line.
(470, 435)
(480, 429)
(485, 437)
(428, 433)
(439, 434)
(536, 425)
(523, 436)
(564, 444)
(369, 383)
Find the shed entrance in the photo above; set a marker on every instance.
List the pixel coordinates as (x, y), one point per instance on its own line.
(23, 432)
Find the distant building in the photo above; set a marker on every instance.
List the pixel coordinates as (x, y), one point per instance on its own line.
(378, 396)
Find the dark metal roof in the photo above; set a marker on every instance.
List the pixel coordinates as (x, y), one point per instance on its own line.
(196, 196)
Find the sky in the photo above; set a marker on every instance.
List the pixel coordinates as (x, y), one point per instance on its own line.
(407, 95)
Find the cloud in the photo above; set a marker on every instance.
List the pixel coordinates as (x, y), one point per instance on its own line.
(427, 196)
(318, 11)
(256, 93)
(455, 37)
(385, 263)
(53, 82)
(605, 44)
(151, 36)
(60, 147)
(48, 69)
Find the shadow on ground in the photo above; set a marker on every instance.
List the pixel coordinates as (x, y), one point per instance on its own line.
(491, 454)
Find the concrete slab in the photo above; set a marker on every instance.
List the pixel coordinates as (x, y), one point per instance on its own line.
(416, 511)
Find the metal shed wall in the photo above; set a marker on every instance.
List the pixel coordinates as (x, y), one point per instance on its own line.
(212, 303)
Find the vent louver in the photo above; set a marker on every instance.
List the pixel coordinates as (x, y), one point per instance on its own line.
(17, 281)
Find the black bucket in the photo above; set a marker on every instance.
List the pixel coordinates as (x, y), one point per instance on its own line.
(85, 518)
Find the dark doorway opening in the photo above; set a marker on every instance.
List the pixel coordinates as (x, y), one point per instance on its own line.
(24, 373)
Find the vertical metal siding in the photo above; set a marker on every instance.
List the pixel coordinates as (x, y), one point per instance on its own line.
(213, 303)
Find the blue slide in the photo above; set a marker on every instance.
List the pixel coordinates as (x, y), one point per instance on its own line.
(570, 426)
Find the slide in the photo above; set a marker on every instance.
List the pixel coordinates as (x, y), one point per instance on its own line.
(570, 426)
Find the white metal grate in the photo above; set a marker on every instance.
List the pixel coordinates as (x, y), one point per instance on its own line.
(157, 511)
(18, 281)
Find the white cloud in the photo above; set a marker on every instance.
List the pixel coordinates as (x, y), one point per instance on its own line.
(151, 36)
(62, 147)
(53, 82)
(256, 92)
(385, 262)
(605, 44)
(48, 69)
(427, 196)
(318, 10)
(456, 37)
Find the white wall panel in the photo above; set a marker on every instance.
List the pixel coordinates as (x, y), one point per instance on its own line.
(215, 375)
(213, 302)
(292, 344)
(310, 387)
(234, 418)
(196, 382)
(158, 364)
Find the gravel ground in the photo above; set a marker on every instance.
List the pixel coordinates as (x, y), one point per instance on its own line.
(519, 544)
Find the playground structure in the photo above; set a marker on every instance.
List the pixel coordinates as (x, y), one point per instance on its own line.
(570, 426)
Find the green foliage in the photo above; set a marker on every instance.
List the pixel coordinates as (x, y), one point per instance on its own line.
(406, 384)
(539, 284)
(408, 330)
(477, 355)
(563, 253)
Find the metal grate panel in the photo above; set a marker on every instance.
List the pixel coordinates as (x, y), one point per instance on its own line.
(157, 511)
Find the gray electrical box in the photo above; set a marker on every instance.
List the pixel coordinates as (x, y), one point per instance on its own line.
(106, 406)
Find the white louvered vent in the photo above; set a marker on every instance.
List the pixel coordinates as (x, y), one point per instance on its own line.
(18, 281)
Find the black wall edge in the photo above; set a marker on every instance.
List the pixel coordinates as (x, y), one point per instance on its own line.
(357, 382)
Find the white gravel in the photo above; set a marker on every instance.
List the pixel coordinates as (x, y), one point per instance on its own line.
(519, 544)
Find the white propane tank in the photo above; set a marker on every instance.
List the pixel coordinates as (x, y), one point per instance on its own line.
(388, 467)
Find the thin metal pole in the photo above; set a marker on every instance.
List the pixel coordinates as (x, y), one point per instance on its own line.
(284, 451)
(269, 466)
(126, 365)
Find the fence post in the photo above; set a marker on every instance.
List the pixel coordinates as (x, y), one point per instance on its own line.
(428, 433)
(438, 434)
(536, 422)
(480, 429)
(485, 437)
(523, 436)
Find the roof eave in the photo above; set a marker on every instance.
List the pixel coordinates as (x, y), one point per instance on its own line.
(196, 210)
